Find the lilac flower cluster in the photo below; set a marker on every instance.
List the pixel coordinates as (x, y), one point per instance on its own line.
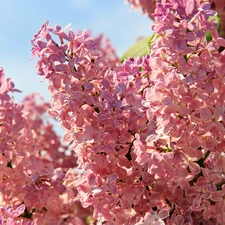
(146, 137)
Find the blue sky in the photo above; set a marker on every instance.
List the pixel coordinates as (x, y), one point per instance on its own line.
(21, 19)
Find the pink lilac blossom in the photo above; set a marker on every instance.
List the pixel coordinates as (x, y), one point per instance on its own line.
(11, 215)
(35, 166)
(145, 138)
(147, 132)
(148, 7)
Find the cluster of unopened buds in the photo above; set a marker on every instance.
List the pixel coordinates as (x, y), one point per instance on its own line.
(144, 139)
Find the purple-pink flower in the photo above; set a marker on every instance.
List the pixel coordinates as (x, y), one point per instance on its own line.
(143, 140)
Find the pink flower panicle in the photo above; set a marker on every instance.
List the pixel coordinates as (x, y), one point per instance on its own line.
(148, 7)
(143, 131)
(44, 191)
(145, 138)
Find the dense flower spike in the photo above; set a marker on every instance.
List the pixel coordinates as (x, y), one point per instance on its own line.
(145, 138)
(148, 7)
(146, 132)
(35, 166)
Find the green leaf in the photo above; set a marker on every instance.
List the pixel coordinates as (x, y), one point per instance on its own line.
(141, 48)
